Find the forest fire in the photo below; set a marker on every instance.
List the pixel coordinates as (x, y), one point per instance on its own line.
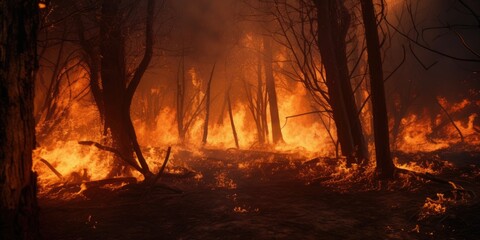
(253, 119)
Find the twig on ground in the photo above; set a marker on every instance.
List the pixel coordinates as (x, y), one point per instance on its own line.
(59, 175)
(113, 150)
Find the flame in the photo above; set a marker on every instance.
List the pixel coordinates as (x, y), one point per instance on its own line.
(433, 207)
(307, 136)
(223, 181)
(418, 133)
(75, 162)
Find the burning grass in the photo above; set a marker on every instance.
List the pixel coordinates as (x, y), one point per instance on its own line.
(269, 182)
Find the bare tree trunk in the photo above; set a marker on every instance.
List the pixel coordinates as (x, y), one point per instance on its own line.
(261, 119)
(359, 143)
(117, 90)
(181, 98)
(271, 91)
(207, 106)
(232, 122)
(114, 80)
(327, 44)
(385, 167)
(18, 49)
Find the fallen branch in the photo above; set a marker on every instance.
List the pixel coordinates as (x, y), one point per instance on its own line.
(127, 180)
(59, 175)
(430, 177)
(114, 151)
(301, 114)
(451, 120)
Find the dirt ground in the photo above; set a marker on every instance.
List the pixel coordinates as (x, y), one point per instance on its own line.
(269, 196)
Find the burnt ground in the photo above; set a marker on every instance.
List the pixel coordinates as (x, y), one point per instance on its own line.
(241, 195)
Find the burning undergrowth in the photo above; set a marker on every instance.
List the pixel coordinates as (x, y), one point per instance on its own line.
(430, 152)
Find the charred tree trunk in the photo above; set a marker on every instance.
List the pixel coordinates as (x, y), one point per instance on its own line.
(232, 121)
(261, 119)
(207, 106)
(385, 167)
(333, 24)
(359, 143)
(271, 91)
(18, 63)
(181, 99)
(327, 23)
(117, 90)
(114, 80)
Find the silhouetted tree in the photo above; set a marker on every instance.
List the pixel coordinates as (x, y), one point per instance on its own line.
(311, 26)
(385, 166)
(117, 87)
(18, 64)
(271, 90)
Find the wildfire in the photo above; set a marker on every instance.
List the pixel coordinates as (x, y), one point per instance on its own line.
(424, 133)
(307, 133)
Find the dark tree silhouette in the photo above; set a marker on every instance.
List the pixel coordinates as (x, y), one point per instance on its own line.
(18, 64)
(271, 91)
(118, 89)
(322, 27)
(385, 166)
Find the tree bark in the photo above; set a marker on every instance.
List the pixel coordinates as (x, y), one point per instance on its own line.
(18, 64)
(385, 167)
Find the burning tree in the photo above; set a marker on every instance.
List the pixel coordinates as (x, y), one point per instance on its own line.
(329, 22)
(289, 59)
(113, 80)
(117, 88)
(323, 28)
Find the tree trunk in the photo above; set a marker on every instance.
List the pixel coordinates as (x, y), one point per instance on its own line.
(118, 91)
(180, 99)
(207, 106)
(261, 119)
(113, 75)
(327, 44)
(359, 143)
(271, 91)
(19, 209)
(232, 121)
(385, 167)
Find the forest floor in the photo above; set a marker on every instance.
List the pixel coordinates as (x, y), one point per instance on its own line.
(257, 195)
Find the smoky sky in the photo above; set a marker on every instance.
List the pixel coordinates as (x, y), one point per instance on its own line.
(207, 28)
